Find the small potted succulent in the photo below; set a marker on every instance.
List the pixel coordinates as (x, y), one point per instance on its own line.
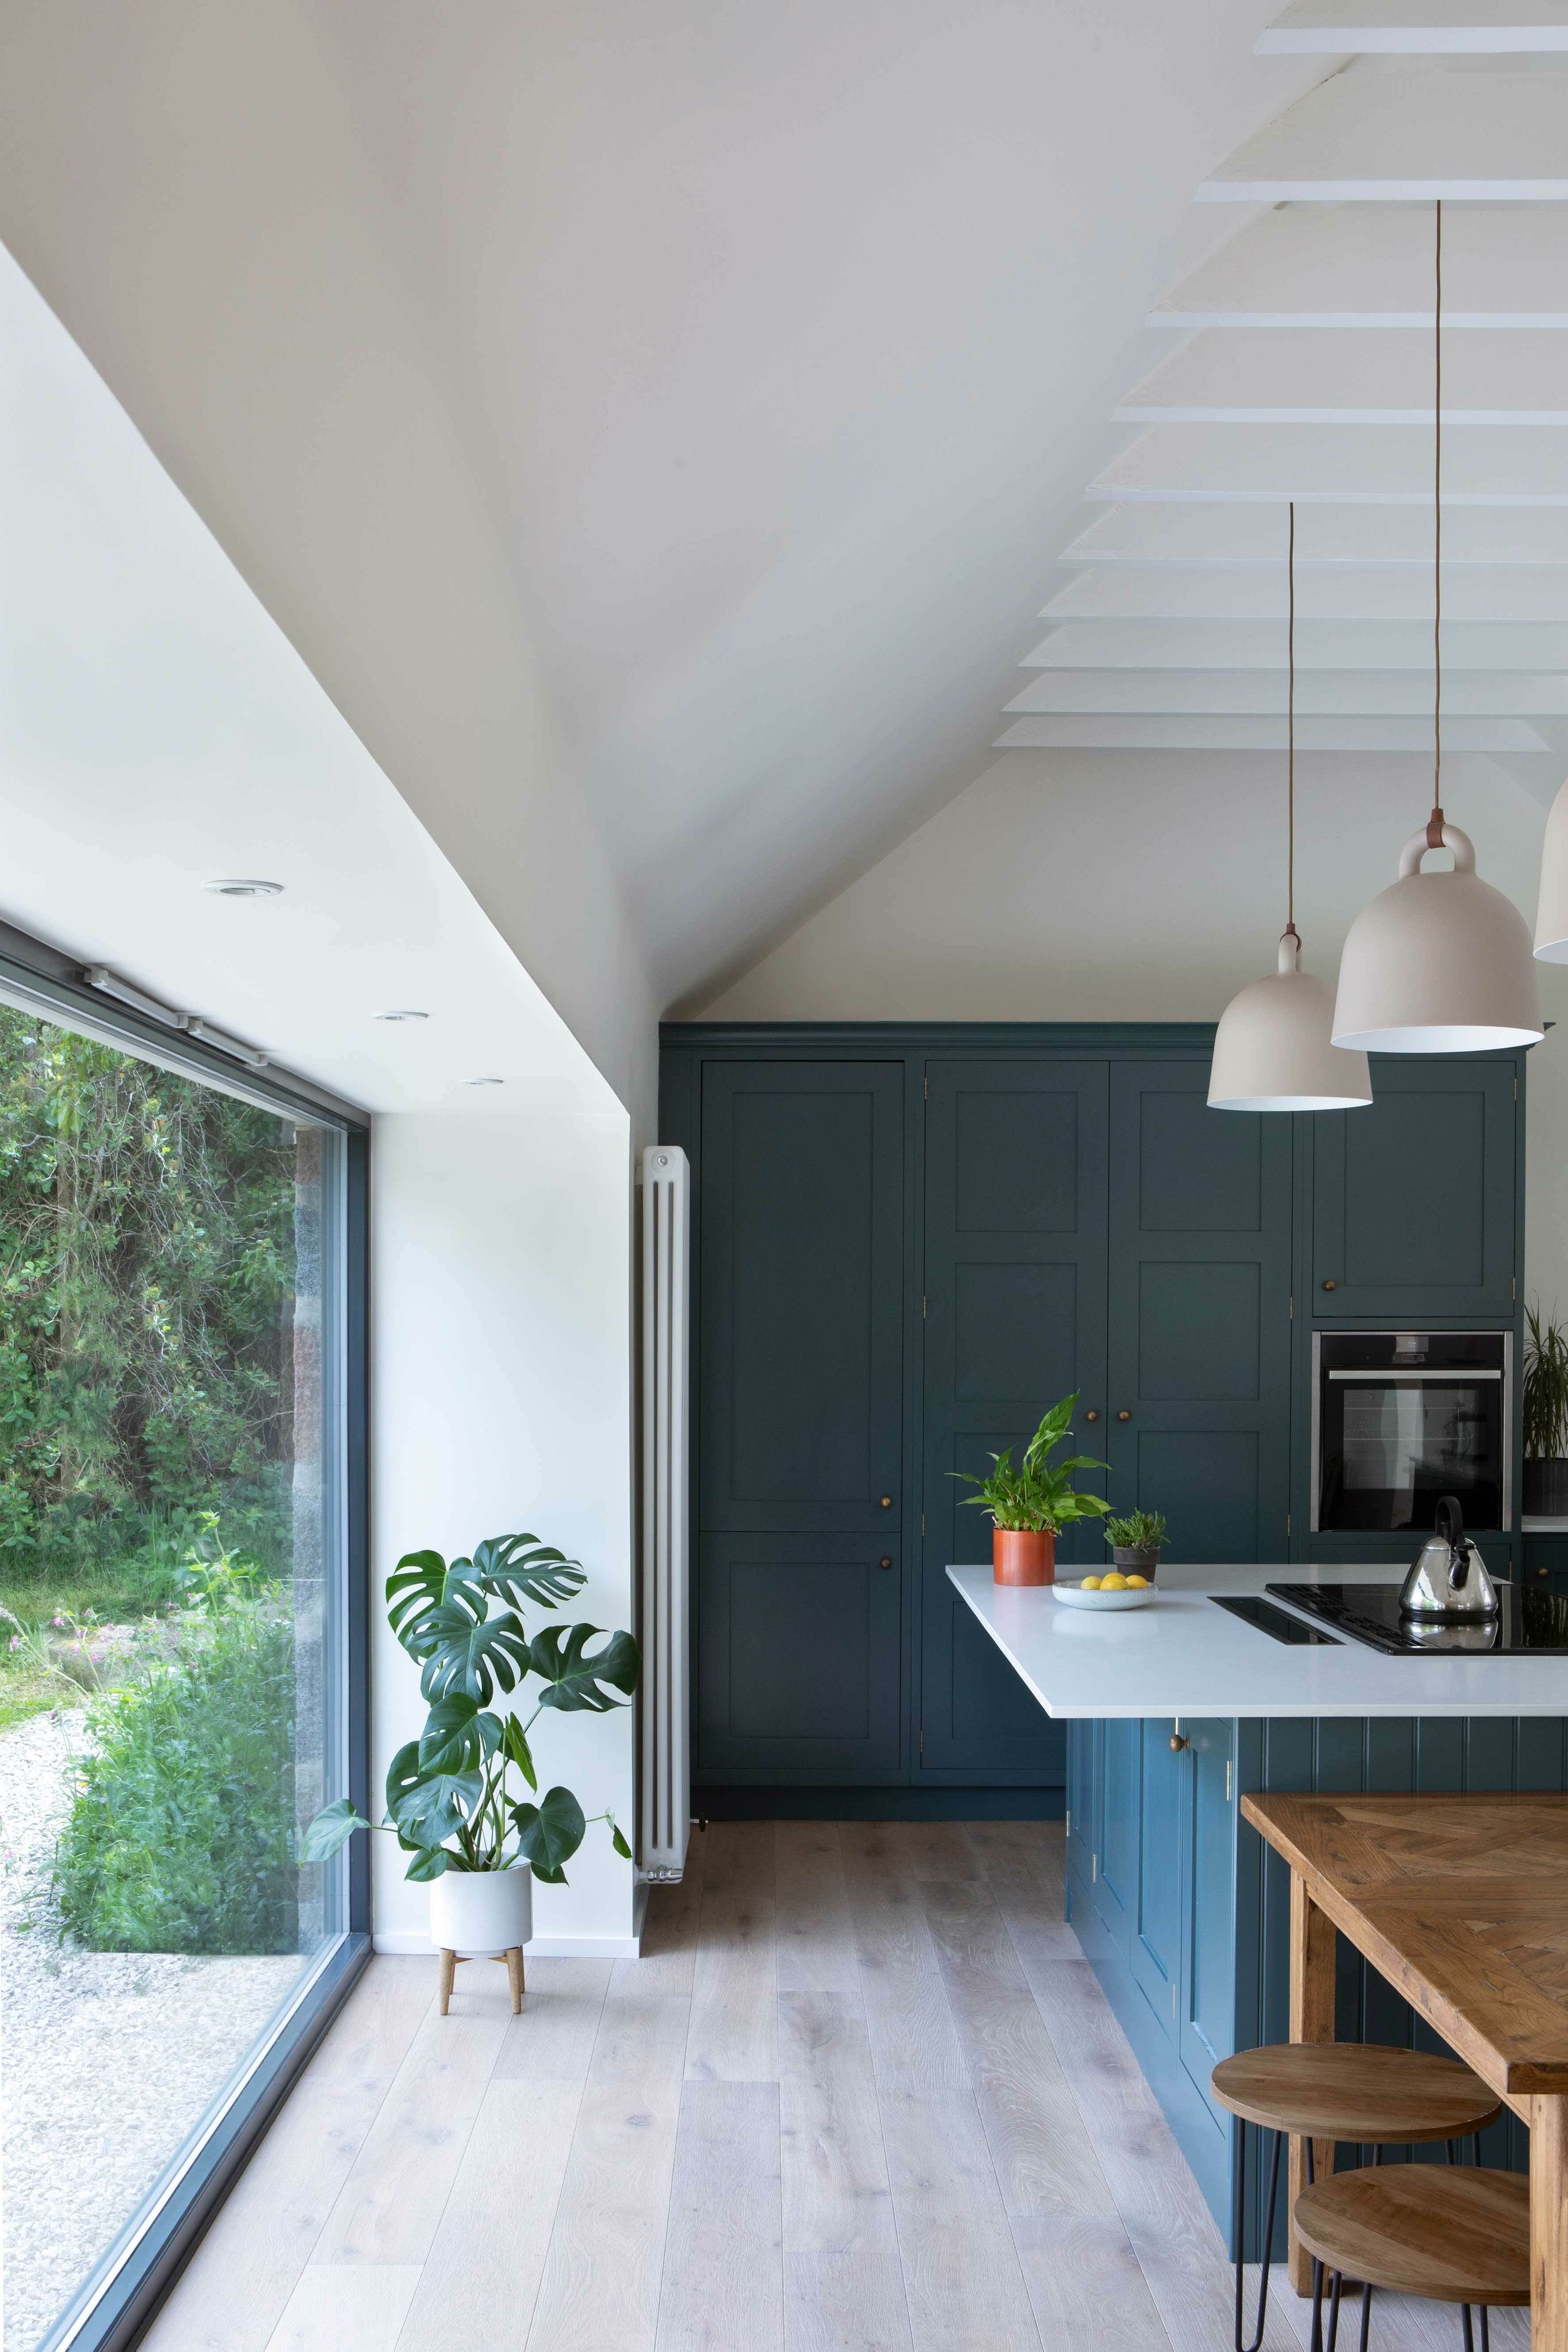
(1545, 1417)
(1135, 1542)
(449, 1797)
(1031, 1502)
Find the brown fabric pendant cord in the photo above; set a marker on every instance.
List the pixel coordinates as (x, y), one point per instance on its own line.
(1435, 822)
(1290, 932)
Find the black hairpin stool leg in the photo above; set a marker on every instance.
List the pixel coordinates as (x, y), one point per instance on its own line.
(1335, 2311)
(1267, 2246)
(1464, 2323)
(1365, 2314)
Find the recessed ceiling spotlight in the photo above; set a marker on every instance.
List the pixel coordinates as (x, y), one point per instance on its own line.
(241, 887)
(402, 1012)
(484, 1082)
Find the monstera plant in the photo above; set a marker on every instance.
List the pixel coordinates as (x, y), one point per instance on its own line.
(451, 1800)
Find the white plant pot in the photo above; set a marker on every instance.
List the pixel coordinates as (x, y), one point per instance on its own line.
(480, 1914)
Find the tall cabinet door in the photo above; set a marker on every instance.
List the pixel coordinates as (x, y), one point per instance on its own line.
(1014, 1293)
(1413, 1200)
(799, 1585)
(1198, 1419)
(802, 1295)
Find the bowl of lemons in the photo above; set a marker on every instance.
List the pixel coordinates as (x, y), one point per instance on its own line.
(1113, 1590)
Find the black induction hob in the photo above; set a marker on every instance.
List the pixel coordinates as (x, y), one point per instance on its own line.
(1532, 1624)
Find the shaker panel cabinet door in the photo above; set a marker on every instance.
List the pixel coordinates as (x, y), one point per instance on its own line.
(1413, 1200)
(1198, 1398)
(1208, 2009)
(1154, 1949)
(801, 1303)
(798, 1658)
(1014, 1318)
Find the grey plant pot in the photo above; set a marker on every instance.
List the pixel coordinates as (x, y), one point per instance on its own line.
(1546, 1488)
(1134, 1563)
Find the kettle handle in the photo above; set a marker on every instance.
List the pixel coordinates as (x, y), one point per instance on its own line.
(1449, 1521)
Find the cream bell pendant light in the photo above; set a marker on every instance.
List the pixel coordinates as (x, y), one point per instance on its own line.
(1272, 1050)
(1438, 964)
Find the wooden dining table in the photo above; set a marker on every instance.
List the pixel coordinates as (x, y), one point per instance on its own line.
(1461, 1903)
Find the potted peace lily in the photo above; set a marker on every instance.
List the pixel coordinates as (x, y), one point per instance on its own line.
(1031, 1502)
(451, 1800)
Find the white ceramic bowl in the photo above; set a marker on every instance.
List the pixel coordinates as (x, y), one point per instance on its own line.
(1073, 1596)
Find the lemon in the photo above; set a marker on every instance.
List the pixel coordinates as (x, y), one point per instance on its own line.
(1137, 1584)
(1090, 1584)
(1114, 1583)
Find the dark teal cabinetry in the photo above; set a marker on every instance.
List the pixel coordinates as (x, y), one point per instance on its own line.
(1185, 1914)
(1413, 1200)
(908, 1241)
(800, 1419)
(1152, 1893)
(1199, 1314)
(1546, 1562)
(1013, 1295)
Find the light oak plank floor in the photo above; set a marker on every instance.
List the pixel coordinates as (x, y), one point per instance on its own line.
(862, 2095)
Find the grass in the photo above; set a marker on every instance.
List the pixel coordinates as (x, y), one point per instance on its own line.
(123, 1593)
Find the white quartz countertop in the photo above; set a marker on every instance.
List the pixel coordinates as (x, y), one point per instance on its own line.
(1181, 1656)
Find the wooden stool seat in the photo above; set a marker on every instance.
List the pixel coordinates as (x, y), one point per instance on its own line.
(1359, 2090)
(1452, 2233)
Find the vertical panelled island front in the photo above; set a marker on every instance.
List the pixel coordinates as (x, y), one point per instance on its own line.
(1175, 1711)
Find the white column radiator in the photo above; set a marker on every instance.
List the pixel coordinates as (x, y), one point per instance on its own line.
(665, 1817)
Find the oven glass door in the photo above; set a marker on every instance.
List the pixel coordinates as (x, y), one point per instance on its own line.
(1394, 1441)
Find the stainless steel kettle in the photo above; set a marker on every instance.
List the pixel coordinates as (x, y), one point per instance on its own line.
(1449, 1578)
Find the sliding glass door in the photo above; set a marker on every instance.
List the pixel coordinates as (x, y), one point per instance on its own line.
(179, 1365)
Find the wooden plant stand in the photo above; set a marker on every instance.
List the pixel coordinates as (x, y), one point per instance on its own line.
(514, 1960)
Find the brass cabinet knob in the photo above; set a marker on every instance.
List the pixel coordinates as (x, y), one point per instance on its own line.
(886, 1561)
(1092, 1414)
(1124, 1415)
(1330, 1284)
(887, 1502)
(1178, 1742)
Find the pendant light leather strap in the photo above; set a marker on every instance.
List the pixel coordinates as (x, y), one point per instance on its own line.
(1448, 837)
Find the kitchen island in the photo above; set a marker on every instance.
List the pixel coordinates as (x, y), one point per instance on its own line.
(1174, 1711)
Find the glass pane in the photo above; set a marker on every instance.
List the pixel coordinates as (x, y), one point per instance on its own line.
(171, 1652)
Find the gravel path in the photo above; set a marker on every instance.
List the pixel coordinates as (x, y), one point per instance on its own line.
(108, 2058)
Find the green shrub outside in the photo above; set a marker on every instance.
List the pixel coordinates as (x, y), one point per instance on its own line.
(181, 1835)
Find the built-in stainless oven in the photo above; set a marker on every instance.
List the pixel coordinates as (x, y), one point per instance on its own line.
(1400, 1418)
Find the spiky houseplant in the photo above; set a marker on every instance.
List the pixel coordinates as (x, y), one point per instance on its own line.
(1545, 1402)
(450, 1800)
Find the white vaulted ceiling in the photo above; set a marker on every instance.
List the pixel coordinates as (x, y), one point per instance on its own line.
(658, 422)
(1295, 362)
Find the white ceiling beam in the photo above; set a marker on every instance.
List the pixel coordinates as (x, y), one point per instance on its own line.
(1397, 130)
(1108, 591)
(1334, 537)
(1271, 375)
(1372, 464)
(1215, 731)
(1395, 694)
(1495, 647)
(1304, 265)
(1414, 28)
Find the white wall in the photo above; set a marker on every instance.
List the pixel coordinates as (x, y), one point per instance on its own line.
(501, 1355)
(1120, 886)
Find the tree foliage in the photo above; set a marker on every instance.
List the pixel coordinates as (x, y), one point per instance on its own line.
(146, 1281)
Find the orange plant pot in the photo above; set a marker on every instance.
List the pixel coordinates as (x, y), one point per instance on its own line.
(1023, 1556)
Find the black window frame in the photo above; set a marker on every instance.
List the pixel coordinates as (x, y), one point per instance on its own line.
(117, 2302)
